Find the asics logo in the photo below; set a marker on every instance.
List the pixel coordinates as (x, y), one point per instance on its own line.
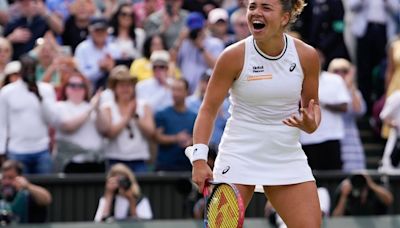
(292, 67)
(226, 169)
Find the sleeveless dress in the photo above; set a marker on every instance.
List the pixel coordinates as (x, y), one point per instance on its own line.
(256, 147)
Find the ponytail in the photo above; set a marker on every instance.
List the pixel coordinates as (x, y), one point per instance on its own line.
(28, 70)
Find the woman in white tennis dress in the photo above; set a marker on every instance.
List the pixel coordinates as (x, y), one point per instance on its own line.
(268, 74)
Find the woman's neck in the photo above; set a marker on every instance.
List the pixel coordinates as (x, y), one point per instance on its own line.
(123, 32)
(272, 46)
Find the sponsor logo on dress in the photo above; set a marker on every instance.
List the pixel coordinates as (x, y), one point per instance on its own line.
(258, 69)
(292, 67)
(226, 169)
(259, 77)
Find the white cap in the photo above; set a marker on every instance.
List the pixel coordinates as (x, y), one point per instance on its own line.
(217, 14)
(12, 68)
(160, 57)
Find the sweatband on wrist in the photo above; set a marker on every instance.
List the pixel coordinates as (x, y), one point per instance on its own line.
(197, 152)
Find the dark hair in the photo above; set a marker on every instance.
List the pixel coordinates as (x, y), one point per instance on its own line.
(147, 45)
(28, 72)
(12, 165)
(115, 22)
(185, 82)
(193, 34)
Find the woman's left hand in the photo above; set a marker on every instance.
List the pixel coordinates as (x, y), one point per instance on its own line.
(306, 121)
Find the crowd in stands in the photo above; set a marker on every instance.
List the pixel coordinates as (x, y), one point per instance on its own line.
(86, 85)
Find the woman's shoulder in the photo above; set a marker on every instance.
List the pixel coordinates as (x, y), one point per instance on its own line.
(233, 55)
(307, 54)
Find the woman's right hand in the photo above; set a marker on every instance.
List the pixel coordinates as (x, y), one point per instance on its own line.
(201, 173)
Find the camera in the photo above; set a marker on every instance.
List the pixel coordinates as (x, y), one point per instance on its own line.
(193, 34)
(124, 183)
(358, 183)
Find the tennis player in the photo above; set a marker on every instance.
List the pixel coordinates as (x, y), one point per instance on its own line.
(267, 74)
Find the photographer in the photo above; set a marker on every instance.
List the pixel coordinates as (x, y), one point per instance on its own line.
(28, 201)
(122, 198)
(360, 195)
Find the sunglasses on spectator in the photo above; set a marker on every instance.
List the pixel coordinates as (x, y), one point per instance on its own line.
(76, 85)
(125, 14)
(160, 67)
(130, 131)
(341, 71)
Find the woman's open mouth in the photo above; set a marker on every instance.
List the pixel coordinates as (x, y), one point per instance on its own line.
(258, 25)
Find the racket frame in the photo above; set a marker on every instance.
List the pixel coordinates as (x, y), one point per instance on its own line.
(207, 196)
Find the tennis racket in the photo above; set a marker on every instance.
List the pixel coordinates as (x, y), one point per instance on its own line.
(223, 207)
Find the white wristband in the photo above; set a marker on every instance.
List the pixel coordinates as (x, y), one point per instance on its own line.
(197, 152)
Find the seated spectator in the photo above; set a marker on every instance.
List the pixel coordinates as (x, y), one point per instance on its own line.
(122, 197)
(156, 91)
(33, 21)
(12, 73)
(129, 121)
(218, 21)
(173, 138)
(96, 55)
(239, 25)
(78, 129)
(126, 37)
(352, 151)
(28, 201)
(360, 195)
(24, 120)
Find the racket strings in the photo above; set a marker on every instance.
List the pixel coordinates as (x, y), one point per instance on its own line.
(223, 208)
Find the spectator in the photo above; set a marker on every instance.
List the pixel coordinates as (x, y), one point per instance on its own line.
(197, 51)
(174, 138)
(122, 199)
(143, 9)
(326, 32)
(360, 195)
(77, 24)
(333, 100)
(130, 123)
(34, 21)
(142, 69)
(5, 55)
(239, 25)
(167, 22)
(60, 7)
(28, 201)
(352, 151)
(372, 25)
(193, 102)
(96, 55)
(12, 73)
(218, 21)
(79, 126)
(156, 91)
(24, 120)
(127, 38)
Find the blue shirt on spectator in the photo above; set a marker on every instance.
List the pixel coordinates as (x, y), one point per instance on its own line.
(172, 157)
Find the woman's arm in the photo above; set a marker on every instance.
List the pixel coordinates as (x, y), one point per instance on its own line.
(310, 113)
(389, 68)
(146, 123)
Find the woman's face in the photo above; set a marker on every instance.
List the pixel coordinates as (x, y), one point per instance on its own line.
(156, 44)
(266, 18)
(76, 89)
(5, 53)
(125, 17)
(124, 90)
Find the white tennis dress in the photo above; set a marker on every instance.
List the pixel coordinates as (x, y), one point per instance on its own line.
(256, 147)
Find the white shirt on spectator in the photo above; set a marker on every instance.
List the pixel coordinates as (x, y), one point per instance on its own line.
(86, 136)
(122, 147)
(332, 90)
(23, 119)
(121, 209)
(87, 56)
(155, 94)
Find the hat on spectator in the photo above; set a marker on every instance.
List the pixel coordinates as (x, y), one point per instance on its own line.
(120, 73)
(13, 67)
(160, 57)
(195, 20)
(217, 14)
(98, 23)
(339, 63)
